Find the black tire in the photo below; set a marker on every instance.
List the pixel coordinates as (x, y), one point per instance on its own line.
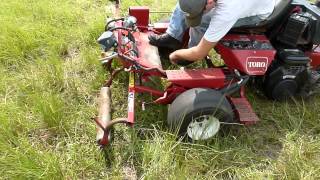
(194, 103)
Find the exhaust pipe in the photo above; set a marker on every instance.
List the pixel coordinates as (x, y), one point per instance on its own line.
(104, 116)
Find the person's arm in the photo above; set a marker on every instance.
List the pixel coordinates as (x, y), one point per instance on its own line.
(224, 18)
(193, 54)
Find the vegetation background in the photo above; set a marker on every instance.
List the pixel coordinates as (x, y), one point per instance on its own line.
(49, 81)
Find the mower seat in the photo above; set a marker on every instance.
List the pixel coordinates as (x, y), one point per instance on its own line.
(279, 11)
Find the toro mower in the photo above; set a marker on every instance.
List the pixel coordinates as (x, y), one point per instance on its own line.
(281, 54)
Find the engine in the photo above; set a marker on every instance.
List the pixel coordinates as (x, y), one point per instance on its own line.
(302, 28)
(290, 75)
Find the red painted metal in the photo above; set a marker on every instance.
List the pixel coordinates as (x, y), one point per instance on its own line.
(248, 61)
(148, 55)
(104, 141)
(144, 89)
(142, 15)
(315, 58)
(160, 27)
(191, 78)
(148, 58)
(253, 61)
(242, 92)
(170, 94)
(244, 111)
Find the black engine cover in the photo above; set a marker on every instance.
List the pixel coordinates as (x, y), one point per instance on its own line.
(287, 74)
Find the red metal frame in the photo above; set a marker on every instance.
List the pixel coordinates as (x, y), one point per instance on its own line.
(315, 58)
(192, 78)
(142, 15)
(249, 61)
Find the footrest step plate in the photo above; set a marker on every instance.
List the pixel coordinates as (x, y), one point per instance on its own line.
(244, 111)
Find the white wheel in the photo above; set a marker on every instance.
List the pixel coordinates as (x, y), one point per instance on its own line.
(196, 114)
(203, 127)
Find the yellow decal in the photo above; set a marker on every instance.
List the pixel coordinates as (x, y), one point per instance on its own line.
(131, 79)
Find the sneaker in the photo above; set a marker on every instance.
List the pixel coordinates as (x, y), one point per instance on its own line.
(164, 41)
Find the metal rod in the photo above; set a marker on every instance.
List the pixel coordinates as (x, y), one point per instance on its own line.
(116, 121)
(111, 123)
(113, 75)
(149, 90)
(161, 12)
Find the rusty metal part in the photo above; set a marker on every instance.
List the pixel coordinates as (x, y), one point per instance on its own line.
(113, 75)
(104, 115)
(105, 140)
(104, 121)
(107, 66)
(110, 123)
(116, 121)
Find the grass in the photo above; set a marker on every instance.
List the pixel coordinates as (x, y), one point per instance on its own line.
(49, 80)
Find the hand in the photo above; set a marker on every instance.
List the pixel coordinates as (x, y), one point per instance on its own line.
(174, 59)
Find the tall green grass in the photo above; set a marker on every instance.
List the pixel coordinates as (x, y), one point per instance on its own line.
(49, 80)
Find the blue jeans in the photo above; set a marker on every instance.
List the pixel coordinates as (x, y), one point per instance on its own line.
(177, 26)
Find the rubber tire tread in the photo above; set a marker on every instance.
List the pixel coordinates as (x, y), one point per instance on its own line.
(196, 102)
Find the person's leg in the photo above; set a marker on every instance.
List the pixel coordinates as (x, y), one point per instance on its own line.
(196, 33)
(174, 34)
(177, 25)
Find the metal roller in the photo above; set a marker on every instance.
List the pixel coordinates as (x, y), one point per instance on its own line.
(104, 116)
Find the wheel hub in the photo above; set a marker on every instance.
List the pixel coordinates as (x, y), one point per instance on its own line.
(203, 127)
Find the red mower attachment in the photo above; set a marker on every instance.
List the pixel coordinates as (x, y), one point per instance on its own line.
(130, 46)
(200, 100)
